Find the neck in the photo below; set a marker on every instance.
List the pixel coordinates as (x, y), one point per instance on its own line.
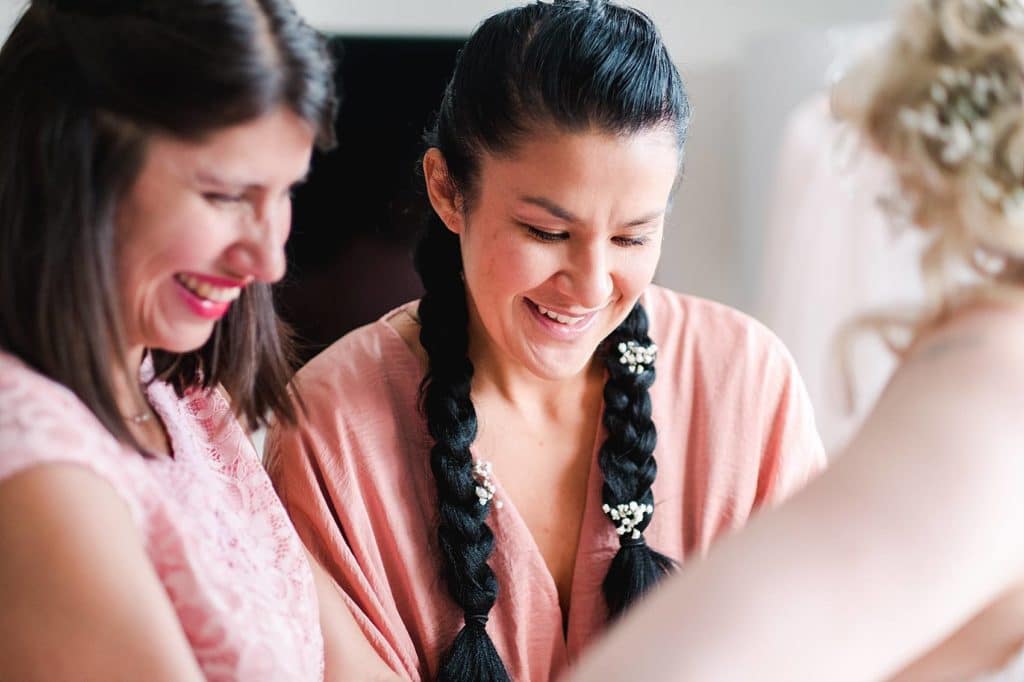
(133, 361)
(497, 377)
(130, 399)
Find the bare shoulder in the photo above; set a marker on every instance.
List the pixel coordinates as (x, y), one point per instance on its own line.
(964, 382)
(950, 421)
(968, 327)
(979, 352)
(80, 595)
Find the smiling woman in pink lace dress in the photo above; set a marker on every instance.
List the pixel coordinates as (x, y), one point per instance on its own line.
(147, 152)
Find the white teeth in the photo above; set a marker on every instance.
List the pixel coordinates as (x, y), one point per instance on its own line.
(208, 291)
(561, 319)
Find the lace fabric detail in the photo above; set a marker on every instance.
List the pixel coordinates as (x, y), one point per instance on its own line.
(217, 535)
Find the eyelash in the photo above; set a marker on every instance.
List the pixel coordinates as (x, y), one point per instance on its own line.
(218, 198)
(545, 236)
(223, 198)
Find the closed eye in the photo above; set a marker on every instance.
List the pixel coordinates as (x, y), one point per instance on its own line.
(630, 241)
(218, 198)
(544, 235)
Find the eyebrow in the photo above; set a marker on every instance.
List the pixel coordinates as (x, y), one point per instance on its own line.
(569, 217)
(210, 178)
(214, 179)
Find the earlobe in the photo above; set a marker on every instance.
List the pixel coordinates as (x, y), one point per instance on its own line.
(442, 192)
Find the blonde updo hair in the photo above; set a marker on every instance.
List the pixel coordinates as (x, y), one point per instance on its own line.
(944, 102)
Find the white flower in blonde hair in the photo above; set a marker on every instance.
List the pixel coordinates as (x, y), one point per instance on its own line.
(958, 115)
(1013, 206)
(1010, 11)
(1013, 154)
(990, 189)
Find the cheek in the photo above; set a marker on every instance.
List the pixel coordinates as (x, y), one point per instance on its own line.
(148, 265)
(518, 267)
(494, 260)
(637, 270)
(283, 222)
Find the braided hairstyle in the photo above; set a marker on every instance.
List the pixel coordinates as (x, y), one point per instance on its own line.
(576, 66)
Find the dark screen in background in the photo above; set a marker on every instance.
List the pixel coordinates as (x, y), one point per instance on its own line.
(355, 222)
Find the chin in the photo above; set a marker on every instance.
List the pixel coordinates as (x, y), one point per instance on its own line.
(558, 369)
(184, 341)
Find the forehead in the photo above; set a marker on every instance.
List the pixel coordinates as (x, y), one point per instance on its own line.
(271, 148)
(586, 168)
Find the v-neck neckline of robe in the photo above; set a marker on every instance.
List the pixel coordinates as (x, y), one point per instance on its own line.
(596, 536)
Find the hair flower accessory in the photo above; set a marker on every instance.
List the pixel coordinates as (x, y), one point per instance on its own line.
(958, 116)
(638, 357)
(957, 113)
(1011, 12)
(628, 516)
(485, 488)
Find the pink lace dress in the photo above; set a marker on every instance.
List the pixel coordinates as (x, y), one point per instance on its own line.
(228, 556)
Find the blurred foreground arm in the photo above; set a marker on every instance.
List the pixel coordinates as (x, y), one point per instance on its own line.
(913, 530)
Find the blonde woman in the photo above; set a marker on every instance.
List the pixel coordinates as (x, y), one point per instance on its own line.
(905, 560)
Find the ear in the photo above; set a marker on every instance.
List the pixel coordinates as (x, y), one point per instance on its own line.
(444, 197)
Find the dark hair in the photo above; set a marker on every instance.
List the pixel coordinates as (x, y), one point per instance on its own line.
(576, 66)
(84, 86)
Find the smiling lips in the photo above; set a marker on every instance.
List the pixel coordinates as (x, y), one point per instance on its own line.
(563, 319)
(208, 297)
(561, 326)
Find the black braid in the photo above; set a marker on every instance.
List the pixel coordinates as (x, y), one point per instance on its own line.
(465, 539)
(627, 463)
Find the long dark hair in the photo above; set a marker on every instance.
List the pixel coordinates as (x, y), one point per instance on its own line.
(84, 85)
(578, 66)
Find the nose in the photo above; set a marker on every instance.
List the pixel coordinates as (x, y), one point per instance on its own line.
(590, 274)
(259, 250)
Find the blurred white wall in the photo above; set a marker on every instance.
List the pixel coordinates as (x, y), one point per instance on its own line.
(9, 10)
(698, 31)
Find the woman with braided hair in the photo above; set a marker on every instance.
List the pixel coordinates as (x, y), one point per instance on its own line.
(911, 547)
(493, 473)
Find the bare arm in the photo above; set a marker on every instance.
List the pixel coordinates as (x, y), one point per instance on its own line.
(915, 529)
(348, 655)
(80, 597)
